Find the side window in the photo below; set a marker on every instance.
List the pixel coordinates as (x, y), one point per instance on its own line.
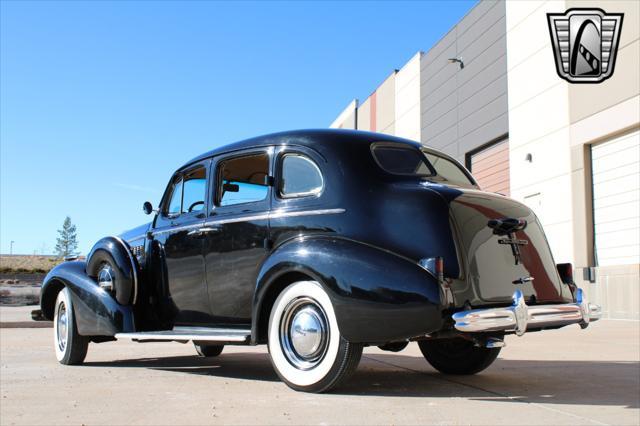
(243, 180)
(176, 199)
(195, 183)
(300, 176)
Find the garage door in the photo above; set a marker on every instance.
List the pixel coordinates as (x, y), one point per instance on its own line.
(490, 167)
(616, 200)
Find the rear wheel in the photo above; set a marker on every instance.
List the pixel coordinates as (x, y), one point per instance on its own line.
(208, 350)
(305, 345)
(70, 347)
(457, 356)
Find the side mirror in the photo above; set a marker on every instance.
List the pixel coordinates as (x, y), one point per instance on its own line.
(147, 208)
(230, 187)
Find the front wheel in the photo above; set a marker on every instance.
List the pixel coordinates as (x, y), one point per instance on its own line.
(70, 347)
(457, 356)
(305, 345)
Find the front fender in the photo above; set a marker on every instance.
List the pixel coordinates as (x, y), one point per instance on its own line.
(127, 285)
(378, 296)
(96, 312)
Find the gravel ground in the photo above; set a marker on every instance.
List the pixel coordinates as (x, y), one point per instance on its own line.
(557, 377)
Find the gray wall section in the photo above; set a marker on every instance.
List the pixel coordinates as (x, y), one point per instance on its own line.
(462, 109)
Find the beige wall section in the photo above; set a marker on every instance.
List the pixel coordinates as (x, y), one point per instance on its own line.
(539, 123)
(386, 105)
(364, 115)
(407, 110)
(347, 118)
(588, 99)
(556, 122)
(598, 113)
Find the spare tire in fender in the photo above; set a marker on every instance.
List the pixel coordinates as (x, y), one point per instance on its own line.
(111, 259)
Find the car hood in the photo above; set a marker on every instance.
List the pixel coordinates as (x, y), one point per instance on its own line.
(137, 233)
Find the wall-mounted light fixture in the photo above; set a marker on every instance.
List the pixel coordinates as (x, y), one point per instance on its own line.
(456, 60)
(529, 158)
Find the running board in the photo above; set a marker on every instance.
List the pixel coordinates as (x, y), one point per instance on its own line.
(201, 334)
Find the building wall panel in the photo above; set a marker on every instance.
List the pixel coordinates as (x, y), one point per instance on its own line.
(464, 108)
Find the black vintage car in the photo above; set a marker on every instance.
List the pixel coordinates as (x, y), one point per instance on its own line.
(318, 243)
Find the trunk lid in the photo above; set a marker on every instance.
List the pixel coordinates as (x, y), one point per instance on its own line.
(489, 269)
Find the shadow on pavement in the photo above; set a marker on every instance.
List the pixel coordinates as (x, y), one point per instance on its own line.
(599, 383)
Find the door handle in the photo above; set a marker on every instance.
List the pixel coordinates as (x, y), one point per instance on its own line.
(203, 231)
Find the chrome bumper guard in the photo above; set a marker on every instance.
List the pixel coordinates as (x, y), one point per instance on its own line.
(519, 317)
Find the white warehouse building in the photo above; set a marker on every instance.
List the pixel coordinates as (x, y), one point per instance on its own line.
(489, 95)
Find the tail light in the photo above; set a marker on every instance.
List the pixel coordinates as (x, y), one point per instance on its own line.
(435, 266)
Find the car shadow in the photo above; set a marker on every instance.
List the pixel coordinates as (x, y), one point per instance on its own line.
(250, 366)
(599, 383)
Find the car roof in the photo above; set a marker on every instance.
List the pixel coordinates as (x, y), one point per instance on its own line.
(318, 139)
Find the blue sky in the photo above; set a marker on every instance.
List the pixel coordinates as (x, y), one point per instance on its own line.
(101, 101)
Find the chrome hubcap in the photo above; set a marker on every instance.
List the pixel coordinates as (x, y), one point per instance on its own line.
(304, 333)
(105, 278)
(62, 326)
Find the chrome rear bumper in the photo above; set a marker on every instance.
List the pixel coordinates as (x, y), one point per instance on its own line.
(519, 317)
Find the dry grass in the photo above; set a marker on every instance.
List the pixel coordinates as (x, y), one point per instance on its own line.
(27, 264)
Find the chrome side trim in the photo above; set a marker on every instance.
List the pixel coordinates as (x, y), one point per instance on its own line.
(204, 334)
(260, 216)
(276, 214)
(134, 268)
(136, 238)
(519, 317)
(177, 228)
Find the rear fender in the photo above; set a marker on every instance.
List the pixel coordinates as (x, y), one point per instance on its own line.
(378, 296)
(97, 313)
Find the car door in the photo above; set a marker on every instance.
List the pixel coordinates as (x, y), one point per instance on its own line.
(240, 200)
(179, 238)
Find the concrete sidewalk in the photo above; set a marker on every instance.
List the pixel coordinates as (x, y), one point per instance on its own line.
(567, 376)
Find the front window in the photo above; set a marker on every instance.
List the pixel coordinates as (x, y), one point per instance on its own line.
(175, 202)
(243, 180)
(195, 183)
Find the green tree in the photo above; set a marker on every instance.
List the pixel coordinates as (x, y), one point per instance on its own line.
(67, 242)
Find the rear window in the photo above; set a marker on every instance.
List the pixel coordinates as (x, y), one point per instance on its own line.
(401, 160)
(447, 170)
(408, 161)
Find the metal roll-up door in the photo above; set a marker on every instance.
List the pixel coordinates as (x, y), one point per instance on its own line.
(615, 166)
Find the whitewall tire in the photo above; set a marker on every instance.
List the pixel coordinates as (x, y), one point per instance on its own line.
(70, 347)
(305, 345)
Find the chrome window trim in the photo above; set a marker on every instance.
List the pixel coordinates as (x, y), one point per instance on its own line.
(133, 268)
(315, 191)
